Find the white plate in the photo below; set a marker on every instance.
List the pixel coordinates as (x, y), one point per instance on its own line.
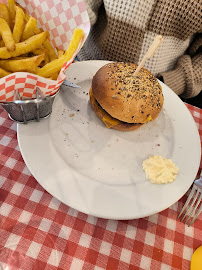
(97, 170)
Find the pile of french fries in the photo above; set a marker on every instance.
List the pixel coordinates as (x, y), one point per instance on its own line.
(26, 48)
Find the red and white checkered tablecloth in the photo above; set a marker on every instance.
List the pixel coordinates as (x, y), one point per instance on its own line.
(39, 232)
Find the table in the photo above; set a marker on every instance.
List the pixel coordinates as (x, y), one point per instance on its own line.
(37, 231)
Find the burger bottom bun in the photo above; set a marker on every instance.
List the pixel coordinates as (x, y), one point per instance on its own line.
(108, 119)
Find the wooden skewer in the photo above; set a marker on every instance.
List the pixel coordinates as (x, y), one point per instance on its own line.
(149, 54)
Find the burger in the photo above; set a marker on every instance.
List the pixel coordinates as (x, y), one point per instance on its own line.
(123, 101)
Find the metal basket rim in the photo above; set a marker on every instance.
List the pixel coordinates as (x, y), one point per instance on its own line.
(30, 101)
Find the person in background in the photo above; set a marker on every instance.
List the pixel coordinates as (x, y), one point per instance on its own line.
(123, 30)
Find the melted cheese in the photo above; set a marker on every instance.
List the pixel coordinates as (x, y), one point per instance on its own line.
(148, 119)
(159, 170)
(107, 119)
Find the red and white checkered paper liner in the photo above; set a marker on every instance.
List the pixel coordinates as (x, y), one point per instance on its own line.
(59, 18)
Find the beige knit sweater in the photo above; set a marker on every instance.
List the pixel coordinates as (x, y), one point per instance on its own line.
(123, 30)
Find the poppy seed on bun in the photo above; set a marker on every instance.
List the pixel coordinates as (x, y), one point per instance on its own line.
(124, 101)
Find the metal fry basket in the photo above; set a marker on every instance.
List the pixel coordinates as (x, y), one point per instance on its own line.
(24, 111)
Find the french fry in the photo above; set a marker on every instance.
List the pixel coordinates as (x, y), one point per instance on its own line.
(54, 76)
(47, 60)
(29, 28)
(39, 50)
(42, 50)
(3, 73)
(37, 31)
(55, 66)
(2, 44)
(26, 16)
(74, 43)
(27, 64)
(60, 53)
(19, 24)
(7, 35)
(4, 13)
(11, 6)
(50, 50)
(26, 46)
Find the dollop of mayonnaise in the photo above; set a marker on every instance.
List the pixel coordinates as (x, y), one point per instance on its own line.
(159, 170)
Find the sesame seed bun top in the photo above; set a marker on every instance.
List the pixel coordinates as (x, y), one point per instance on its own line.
(125, 97)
